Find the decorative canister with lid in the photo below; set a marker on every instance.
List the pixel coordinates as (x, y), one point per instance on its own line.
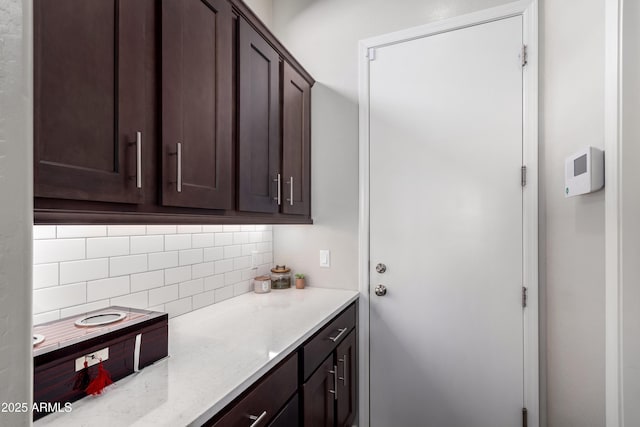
(262, 284)
(280, 277)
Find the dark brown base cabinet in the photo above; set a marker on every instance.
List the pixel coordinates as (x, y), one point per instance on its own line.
(180, 111)
(315, 386)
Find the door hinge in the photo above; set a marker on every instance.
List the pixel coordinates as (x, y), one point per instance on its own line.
(524, 297)
(371, 54)
(523, 55)
(525, 421)
(523, 176)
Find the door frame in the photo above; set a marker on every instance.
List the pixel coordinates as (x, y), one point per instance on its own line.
(528, 9)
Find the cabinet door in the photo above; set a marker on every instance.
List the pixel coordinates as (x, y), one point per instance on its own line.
(347, 382)
(197, 104)
(289, 416)
(319, 396)
(90, 60)
(259, 123)
(296, 142)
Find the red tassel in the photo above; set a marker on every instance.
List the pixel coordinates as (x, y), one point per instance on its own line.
(101, 380)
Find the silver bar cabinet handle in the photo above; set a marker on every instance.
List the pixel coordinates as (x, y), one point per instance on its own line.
(335, 382)
(279, 197)
(290, 199)
(257, 418)
(337, 337)
(139, 159)
(179, 167)
(344, 370)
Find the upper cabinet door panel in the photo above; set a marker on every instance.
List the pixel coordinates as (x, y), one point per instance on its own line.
(89, 82)
(197, 104)
(259, 123)
(296, 142)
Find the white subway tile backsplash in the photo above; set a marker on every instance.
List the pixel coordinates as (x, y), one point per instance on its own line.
(136, 300)
(45, 251)
(191, 287)
(126, 230)
(148, 280)
(240, 238)
(255, 236)
(162, 229)
(213, 282)
(224, 239)
(249, 248)
(211, 228)
(224, 266)
(176, 308)
(58, 297)
(223, 293)
(100, 247)
(48, 316)
(173, 242)
(188, 229)
(71, 231)
(191, 256)
(81, 271)
(241, 263)
(84, 308)
(202, 270)
(44, 232)
(163, 295)
(120, 266)
(147, 244)
(213, 254)
(241, 288)
(160, 267)
(232, 251)
(45, 275)
(202, 240)
(204, 299)
(232, 277)
(163, 260)
(178, 274)
(107, 288)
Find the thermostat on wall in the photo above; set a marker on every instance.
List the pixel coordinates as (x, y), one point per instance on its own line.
(584, 172)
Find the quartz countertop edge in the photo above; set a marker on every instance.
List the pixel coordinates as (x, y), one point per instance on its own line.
(215, 354)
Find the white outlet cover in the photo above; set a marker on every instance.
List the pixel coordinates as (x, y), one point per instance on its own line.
(325, 258)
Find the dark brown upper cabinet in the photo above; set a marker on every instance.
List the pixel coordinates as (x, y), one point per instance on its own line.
(172, 111)
(90, 123)
(197, 104)
(296, 142)
(259, 167)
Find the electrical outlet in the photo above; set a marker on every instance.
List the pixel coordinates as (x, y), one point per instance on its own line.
(325, 258)
(254, 259)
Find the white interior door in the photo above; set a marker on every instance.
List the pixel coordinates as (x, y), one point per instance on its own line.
(446, 218)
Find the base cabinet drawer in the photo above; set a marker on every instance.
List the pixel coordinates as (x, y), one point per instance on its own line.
(262, 403)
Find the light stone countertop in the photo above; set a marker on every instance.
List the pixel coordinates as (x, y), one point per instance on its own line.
(215, 353)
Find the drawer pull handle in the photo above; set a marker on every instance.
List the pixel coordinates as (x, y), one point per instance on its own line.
(335, 382)
(344, 370)
(337, 337)
(179, 167)
(257, 418)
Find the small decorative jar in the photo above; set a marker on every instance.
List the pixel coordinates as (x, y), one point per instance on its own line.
(280, 277)
(262, 284)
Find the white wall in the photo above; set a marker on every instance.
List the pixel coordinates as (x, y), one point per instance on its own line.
(323, 35)
(16, 194)
(631, 212)
(262, 8)
(168, 268)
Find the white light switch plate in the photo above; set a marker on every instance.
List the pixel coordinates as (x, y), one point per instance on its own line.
(325, 258)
